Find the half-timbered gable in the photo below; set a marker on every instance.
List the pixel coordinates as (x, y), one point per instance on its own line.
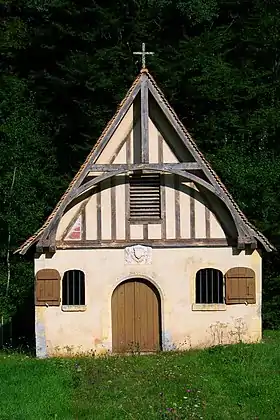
(144, 241)
(149, 184)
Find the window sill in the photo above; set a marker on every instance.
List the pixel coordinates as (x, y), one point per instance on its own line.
(209, 307)
(74, 308)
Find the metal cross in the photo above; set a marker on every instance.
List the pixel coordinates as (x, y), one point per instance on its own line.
(143, 53)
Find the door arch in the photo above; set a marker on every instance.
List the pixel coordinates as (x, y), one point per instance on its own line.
(136, 317)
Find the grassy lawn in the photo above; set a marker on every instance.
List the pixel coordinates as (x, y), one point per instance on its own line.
(234, 382)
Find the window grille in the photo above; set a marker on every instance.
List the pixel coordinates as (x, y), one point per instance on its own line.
(145, 196)
(73, 288)
(209, 286)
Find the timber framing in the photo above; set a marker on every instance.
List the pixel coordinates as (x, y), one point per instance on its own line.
(145, 88)
(113, 209)
(192, 213)
(144, 119)
(175, 243)
(207, 222)
(189, 166)
(48, 237)
(177, 207)
(51, 231)
(162, 189)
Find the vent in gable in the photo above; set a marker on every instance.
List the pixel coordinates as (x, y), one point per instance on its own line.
(144, 196)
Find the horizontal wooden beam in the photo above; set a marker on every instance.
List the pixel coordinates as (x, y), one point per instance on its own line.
(139, 166)
(215, 242)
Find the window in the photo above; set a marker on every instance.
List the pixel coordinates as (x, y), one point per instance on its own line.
(144, 196)
(240, 286)
(209, 286)
(73, 288)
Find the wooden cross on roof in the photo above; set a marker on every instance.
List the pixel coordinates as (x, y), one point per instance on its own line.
(143, 53)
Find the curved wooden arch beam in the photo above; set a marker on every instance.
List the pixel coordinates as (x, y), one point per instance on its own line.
(183, 174)
(48, 238)
(145, 167)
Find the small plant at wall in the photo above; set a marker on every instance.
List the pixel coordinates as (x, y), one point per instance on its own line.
(134, 347)
(239, 331)
(222, 333)
(218, 333)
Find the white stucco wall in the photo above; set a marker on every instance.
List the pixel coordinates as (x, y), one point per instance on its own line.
(172, 271)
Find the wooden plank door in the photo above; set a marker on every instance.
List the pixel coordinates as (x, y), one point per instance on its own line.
(135, 317)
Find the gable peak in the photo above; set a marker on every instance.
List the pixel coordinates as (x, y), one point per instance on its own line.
(145, 90)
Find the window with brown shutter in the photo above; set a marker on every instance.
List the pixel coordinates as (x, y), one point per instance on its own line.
(47, 287)
(240, 286)
(144, 197)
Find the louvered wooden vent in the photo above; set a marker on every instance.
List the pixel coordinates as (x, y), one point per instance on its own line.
(144, 196)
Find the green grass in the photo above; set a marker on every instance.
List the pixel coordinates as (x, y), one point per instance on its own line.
(233, 382)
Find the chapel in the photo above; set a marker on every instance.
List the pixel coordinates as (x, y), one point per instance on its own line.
(146, 249)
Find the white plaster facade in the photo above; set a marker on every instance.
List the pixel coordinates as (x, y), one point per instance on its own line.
(184, 324)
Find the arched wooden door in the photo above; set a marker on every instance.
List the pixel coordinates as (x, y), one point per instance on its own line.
(135, 317)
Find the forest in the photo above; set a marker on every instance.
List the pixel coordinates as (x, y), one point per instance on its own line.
(66, 65)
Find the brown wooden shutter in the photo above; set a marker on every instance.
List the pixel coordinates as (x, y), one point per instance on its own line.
(145, 196)
(240, 286)
(47, 287)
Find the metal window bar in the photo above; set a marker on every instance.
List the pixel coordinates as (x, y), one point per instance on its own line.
(67, 288)
(224, 289)
(206, 288)
(200, 288)
(73, 286)
(79, 290)
(218, 289)
(212, 278)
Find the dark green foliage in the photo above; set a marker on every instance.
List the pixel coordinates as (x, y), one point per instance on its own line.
(66, 65)
(28, 184)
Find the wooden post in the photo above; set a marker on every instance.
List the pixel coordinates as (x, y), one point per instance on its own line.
(144, 120)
